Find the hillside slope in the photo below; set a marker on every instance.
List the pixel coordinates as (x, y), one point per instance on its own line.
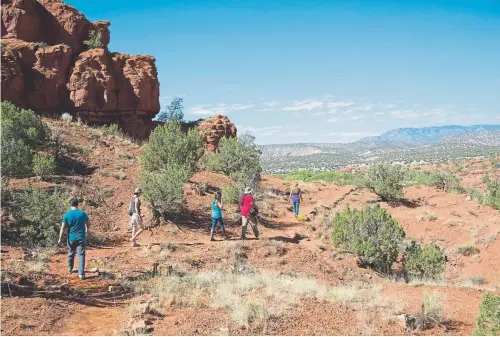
(275, 285)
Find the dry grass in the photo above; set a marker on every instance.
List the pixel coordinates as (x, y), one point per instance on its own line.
(467, 250)
(275, 248)
(252, 297)
(431, 313)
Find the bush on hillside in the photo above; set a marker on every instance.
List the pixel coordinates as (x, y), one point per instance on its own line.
(385, 180)
(94, 40)
(371, 233)
(44, 165)
(237, 158)
(38, 215)
(450, 183)
(169, 146)
(492, 193)
(231, 194)
(164, 190)
(488, 319)
(17, 158)
(168, 161)
(426, 262)
(23, 133)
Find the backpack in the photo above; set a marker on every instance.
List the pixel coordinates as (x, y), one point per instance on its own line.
(131, 209)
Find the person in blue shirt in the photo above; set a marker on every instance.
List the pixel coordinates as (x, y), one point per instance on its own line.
(77, 222)
(217, 215)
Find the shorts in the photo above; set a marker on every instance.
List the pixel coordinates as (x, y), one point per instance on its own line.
(135, 220)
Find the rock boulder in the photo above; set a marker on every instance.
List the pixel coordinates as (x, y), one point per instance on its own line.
(214, 128)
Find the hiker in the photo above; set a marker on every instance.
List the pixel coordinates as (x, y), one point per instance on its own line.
(135, 216)
(78, 224)
(217, 215)
(295, 198)
(248, 212)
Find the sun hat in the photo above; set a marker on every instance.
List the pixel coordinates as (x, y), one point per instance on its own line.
(248, 190)
(137, 190)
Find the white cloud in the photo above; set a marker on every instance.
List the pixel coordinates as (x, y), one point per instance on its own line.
(333, 105)
(303, 105)
(264, 131)
(272, 104)
(218, 109)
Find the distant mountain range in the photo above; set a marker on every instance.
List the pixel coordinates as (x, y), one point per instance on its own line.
(430, 134)
(431, 145)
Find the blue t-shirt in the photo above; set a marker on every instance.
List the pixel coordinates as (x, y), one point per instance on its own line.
(75, 220)
(216, 211)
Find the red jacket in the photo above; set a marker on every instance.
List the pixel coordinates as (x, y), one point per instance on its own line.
(246, 204)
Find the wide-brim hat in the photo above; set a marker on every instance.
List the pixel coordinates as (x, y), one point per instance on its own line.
(248, 190)
(137, 190)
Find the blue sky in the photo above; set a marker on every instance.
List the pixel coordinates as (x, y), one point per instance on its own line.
(318, 71)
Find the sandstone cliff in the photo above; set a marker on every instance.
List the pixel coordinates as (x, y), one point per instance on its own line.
(47, 67)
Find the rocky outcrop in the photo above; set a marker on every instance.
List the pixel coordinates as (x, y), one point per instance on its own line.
(46, 67)
(12, 76)
(214, 128)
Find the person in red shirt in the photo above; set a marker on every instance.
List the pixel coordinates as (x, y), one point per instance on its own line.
(248, 213)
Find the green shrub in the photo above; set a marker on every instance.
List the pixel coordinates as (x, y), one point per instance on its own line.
(111, 130)
(23, 133)
(164, 190)
(492, 193)
(237, 158)
(168, 160)
(488, 319)
(231, 194)
(17, 158)
(169, 146)
(94, 40)
(450, 183)
(44, 165)
(427, 262)
(371, 233)
(385, 180)
(38, 215)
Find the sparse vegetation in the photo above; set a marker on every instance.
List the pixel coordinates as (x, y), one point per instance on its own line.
(337, 178)
(426, 262)
(23, 134)
(168, 161)
(488, 319)
(237, 158)
(385, 180)
(231, 194)
(67, 118)
(371, 233)
(44, 165)
(467, 250)
(38, 215)
(431, 314)
(94, 40)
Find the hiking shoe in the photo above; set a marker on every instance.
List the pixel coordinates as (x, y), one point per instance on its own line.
(81, 277)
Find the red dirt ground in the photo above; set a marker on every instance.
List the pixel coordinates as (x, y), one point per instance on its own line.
(88, 307)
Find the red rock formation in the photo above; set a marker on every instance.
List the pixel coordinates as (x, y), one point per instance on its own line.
(45, 67)
(214, 128)
(12, 76)
(22, 20)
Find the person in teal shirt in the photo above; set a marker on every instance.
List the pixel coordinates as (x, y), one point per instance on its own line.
(217, 215)
(78, 223)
